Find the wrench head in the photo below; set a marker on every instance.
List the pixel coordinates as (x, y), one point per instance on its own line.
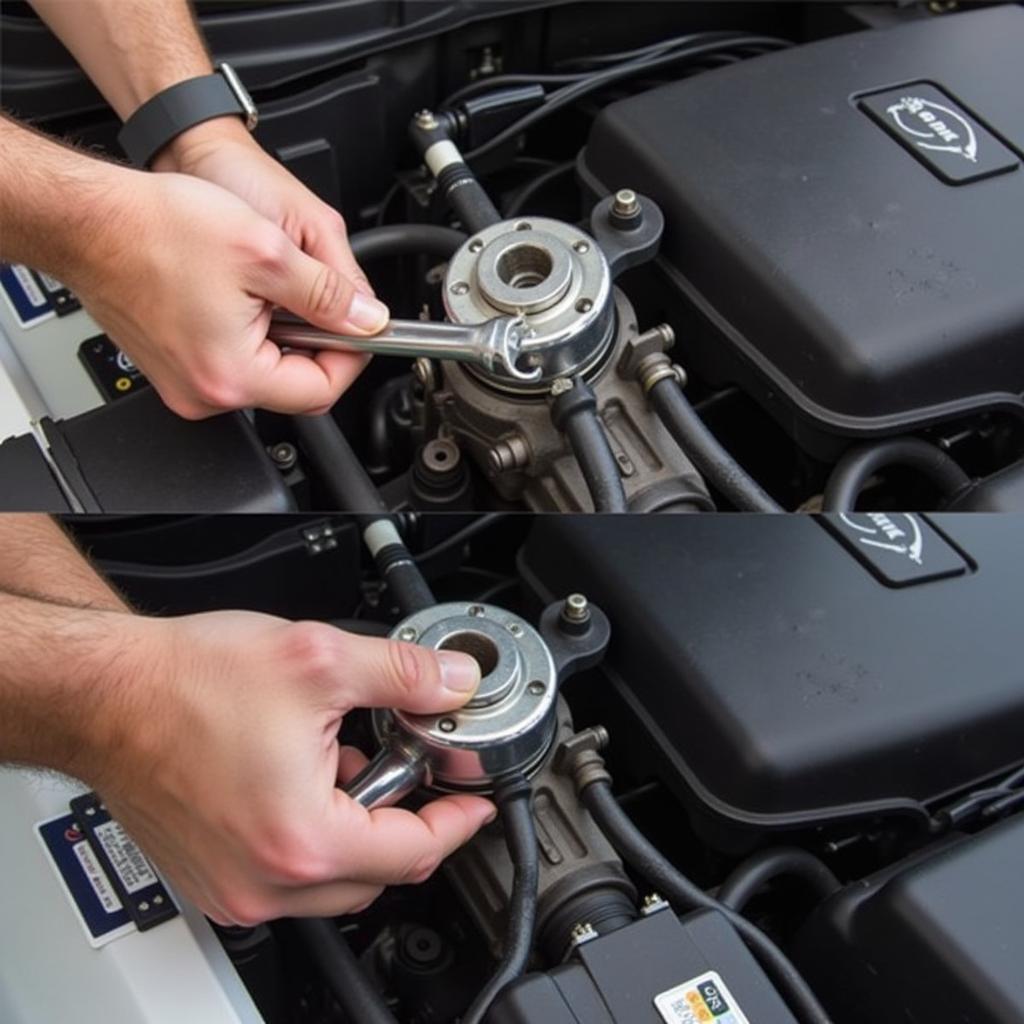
(505, 344)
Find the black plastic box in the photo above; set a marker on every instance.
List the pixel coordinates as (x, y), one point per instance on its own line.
(617, 978)
(939, 939)
(777, 681)
(832, 266)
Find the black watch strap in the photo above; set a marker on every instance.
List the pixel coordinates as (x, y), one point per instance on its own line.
(180, 107)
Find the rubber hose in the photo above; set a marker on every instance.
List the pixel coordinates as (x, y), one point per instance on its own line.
(744, 882)
(406, 240)
(635, 849)
(513, 800)
(574, 412)
(361, 1002)
(714, 463)
(857, 465)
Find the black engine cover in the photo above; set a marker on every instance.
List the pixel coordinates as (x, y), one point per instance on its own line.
(845, 219)
(789, 679)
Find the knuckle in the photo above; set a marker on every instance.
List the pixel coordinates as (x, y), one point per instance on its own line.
(217, 392)
(267, 247)
(422, 867)
(314, 647)
(328, 291)
(288, 857)
(246, 909)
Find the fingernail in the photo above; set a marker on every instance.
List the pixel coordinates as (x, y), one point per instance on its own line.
(367, 313)
(459, 672)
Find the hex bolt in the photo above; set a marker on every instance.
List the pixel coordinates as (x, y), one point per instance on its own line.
(425, 119)
(476, 610)
(576, 608)
(284, 455)
(408, 634)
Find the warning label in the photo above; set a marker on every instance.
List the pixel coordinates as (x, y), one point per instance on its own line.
(701, 1000)
(126, 858)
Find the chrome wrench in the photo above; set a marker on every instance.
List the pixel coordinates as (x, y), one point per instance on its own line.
(494, 345)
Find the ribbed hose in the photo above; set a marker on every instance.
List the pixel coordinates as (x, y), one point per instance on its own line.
(857, 465)
(634, 848)
(405, 240)
(714, 463)
(513, 800)
(766, 865)
(348, 983)
(574, 413)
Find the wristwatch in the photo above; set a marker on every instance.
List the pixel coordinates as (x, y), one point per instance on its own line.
(182, 106)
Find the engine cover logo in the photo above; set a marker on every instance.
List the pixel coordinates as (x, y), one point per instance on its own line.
(936, 129)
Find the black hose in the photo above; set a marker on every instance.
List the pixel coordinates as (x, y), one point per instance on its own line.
(714, 463)
(574, 412)
(360, 1001)
(513, 800)
(857, 465)
(405, 240)
(634, 848)
(764, 866)
(327, 448)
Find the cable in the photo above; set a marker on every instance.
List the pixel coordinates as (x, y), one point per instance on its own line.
(460, 537)
(348, 983)
(527, 193)
(405, 240)
(766, 865)
(857, 465)
(635, 849)
(570, 93)
(574, 412)
(513, 800)
(714, 463)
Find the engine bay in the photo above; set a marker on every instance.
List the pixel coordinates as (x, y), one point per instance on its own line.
(755, 783)
(754, 258)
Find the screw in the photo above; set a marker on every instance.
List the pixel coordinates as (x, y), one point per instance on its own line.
(407, 633)
(524, 225)
(425, 119)
(284, 455)
(626, 203)
(476, 245)
(158, 899)
(536, 688)
(576, 608)
(476, 610)
(515, 629)
(582, 932)
(446, 725)
(143, 906)
(581, 247)
(460, 288)
(561, 386)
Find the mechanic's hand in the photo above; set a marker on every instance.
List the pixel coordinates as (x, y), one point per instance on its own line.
(225, 762)
(223, 152)
(185, 283)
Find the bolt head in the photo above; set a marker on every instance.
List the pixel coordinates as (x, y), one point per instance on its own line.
(577, 608)
(625, 203)
(561, 386)
(425, 119)
(408, 634)
(446, 725)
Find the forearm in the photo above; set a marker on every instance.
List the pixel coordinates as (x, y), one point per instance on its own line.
(59, 209)
(63, 675)
(133, 49)
(38, 559)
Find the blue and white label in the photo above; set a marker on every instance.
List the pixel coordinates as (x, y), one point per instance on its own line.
(29, 303)
(92, 897)
(701, 1000)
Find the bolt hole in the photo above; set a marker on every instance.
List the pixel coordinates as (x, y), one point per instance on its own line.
(482, 649)
(460, 288)
(476, 245)
(584, 306)
(523, 225)
(536, 688)
(524, 266)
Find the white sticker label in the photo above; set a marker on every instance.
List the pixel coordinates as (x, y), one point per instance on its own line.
(99, 882)
(702, 1000)
(128, 860)
(33, 292)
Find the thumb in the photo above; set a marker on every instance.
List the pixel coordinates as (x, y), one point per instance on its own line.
(321, 294)
(389, 673)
